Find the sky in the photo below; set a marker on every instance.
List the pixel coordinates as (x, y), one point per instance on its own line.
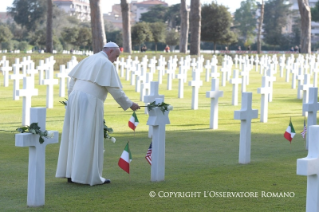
(107, 4)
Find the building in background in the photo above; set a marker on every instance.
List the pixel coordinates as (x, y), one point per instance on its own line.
(78, 8)
(137, 9)
(295, 18)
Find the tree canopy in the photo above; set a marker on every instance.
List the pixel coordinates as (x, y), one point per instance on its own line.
(155, 14)
(28, 13)
(276, 13)
(245, 21)
(216, 23)
(141, 33)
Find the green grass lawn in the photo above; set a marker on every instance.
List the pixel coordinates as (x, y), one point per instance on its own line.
(198, 159)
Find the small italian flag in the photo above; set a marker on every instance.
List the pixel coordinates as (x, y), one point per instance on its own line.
(133, 122)
(290, 132)
(125, 159)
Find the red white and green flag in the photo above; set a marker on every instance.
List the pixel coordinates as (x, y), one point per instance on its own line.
(133, 122)
(125, 159)
(290, 132)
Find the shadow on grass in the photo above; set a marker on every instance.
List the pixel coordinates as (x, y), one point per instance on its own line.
(195, 160)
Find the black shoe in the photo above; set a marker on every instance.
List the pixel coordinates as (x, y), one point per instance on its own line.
(70, 180)
(107, 181)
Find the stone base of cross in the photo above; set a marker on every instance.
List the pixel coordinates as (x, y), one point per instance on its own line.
(309, 167)
(158, 120)
(36, 173)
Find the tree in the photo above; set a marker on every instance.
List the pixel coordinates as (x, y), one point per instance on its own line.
(172, 38)
(97, 26)
(158, 32)
(49, 34)
(245, 21)
(276, 12)
(27, 13)
(173, 16)
(141, 33)
(79, 37)
(260, 24)
(184, 27)
(126, 22)
(305, 14)
(216, 24)
(315, 12)
(5, 34)
(195, 27)
(156, 13)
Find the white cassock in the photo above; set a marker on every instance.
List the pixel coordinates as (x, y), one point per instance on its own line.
(82, 143)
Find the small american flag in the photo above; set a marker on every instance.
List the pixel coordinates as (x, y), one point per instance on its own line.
(148, 156)
(303, 133)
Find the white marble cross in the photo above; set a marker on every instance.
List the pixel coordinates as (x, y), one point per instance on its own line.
(140, 78)
(16, 77)
(256, 62)
(264, 90)
(151, 98)
(4, 59)
(244, 75)
(311, 107)
(214, 94)
(122, 64)
(245, 115)
(181, 78)
(300, 78)
(128, 68)
(235, 81)
(224, 72)
(309, 166)
(305, 88)
(161, 69)
(62, 75)
(271, 79)
(36, 173)
(41, 68)
(24, 65)
(49, 81)
(196, 83)
(170, 75)
(207, 67)
(27, 92)
(136, 71)
(145, 86)
(281, 66)
(158, 120)
(5, 71)
(294, 72)
(31, 70)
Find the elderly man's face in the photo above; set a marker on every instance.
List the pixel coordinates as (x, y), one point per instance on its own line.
(113, 54)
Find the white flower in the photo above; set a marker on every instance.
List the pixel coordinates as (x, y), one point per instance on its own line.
(32, 131)
(113, 139)
(50, 135)
(169, 107)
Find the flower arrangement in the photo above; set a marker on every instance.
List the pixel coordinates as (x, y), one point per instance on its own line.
(35, 129)
(163, 106)
(107, 130)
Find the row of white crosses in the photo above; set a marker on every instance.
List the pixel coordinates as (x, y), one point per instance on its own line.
(309, 166)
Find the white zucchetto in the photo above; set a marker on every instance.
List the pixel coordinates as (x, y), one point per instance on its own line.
(111, 44)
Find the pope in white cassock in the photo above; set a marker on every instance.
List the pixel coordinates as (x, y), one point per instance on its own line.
(82, 142)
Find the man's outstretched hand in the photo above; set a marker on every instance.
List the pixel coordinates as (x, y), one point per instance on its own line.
(135, 106)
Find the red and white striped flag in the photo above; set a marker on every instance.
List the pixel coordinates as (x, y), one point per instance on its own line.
(148, 156)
